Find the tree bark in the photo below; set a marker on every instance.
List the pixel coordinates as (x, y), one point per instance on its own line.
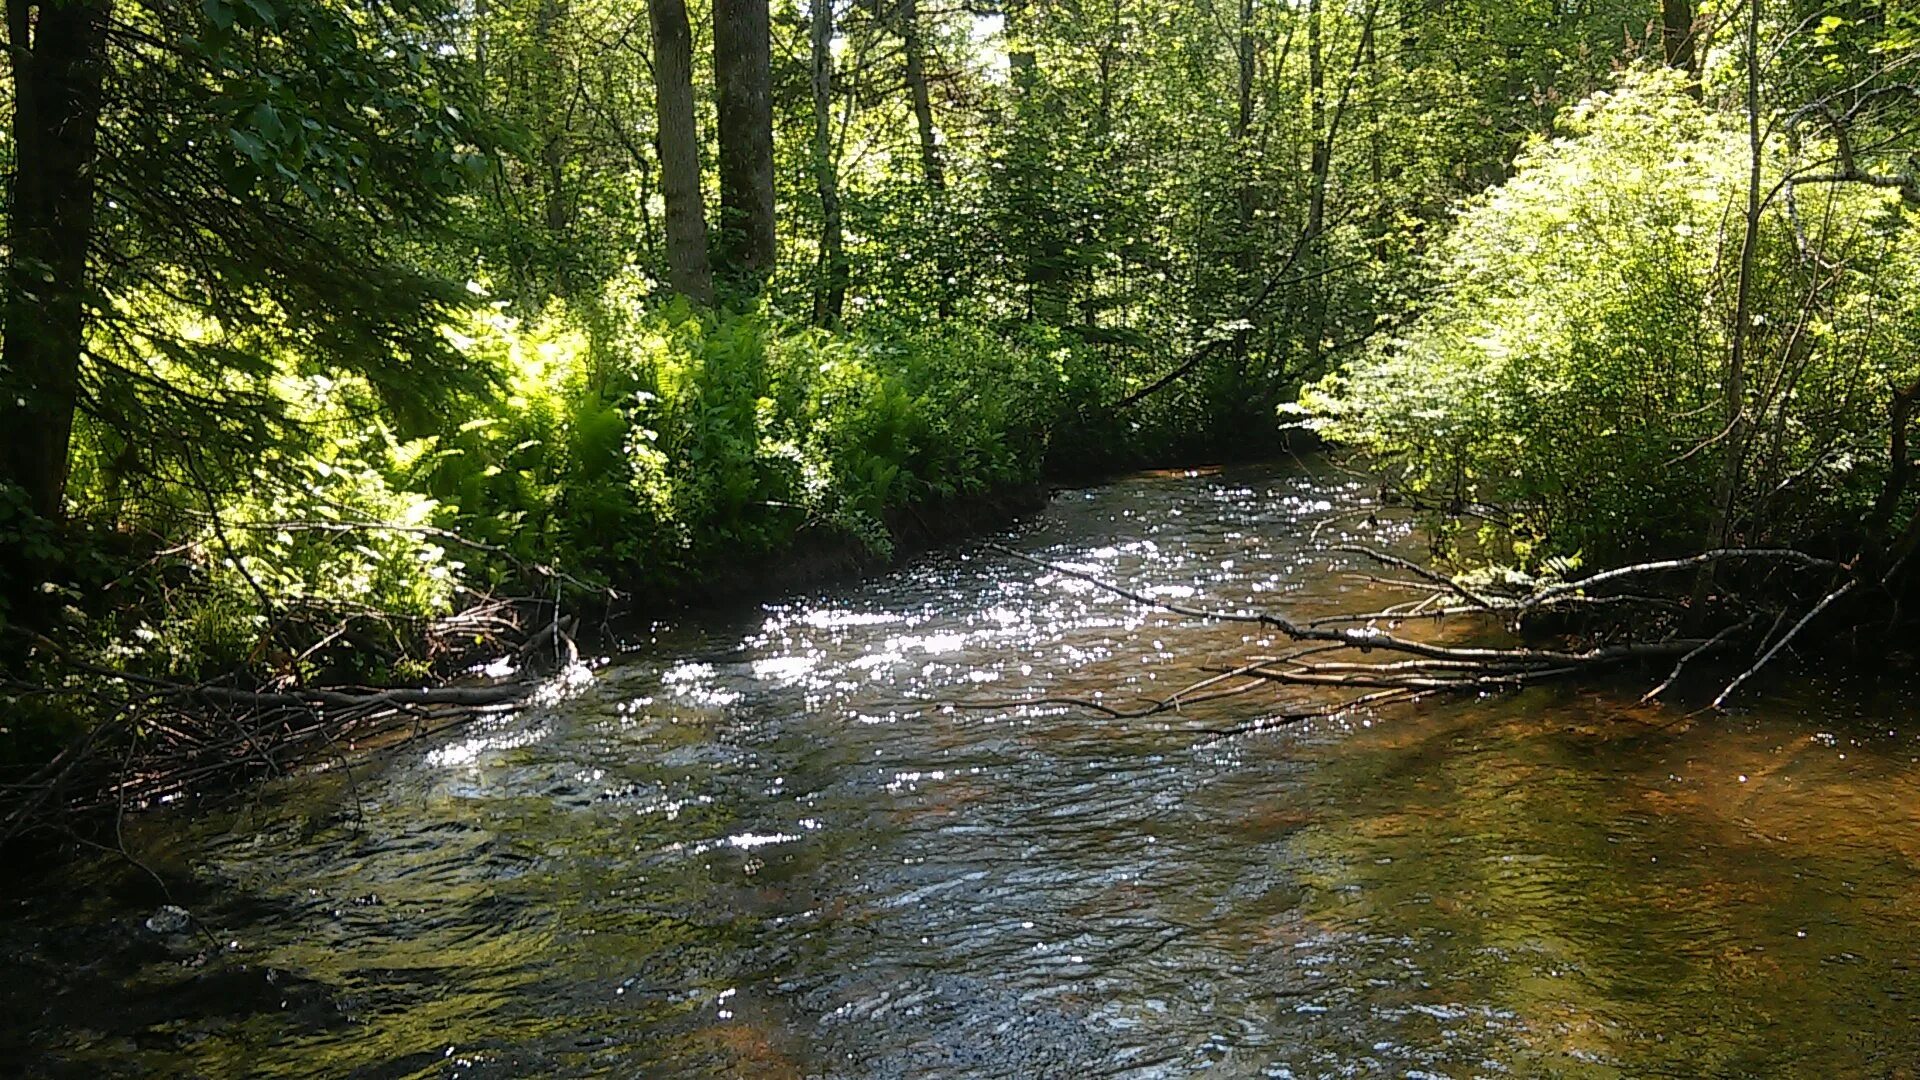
(1677, 43)
(1043, 274)
(1245, 243)
(688, 271)
(743, 72)
(933, 170)
(1319, 167)
(1022, 65)
(1245, 195)
(557, 214)
(59, 68)
(1727, 487)
(830, 292)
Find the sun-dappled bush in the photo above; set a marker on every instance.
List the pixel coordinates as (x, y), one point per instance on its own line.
(627, 443)
(643, 446)
(1573, 366)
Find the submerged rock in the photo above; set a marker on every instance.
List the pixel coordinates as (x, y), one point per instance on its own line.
(169, 919)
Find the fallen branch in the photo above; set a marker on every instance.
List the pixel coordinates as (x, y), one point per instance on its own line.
(153, 738)
(1337, 656)
(1825, 602)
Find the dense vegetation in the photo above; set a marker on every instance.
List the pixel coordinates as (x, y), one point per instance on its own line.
(1574, 369)
(330, 325)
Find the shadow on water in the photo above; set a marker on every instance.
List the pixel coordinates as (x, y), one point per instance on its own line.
(768, 844)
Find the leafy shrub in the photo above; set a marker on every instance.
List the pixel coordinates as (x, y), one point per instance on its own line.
(1572, 367)
(652, 447)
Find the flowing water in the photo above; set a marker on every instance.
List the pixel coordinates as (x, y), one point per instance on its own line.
(784, 842)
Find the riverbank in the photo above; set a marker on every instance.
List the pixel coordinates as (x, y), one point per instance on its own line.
(817, 557)
(178, 740)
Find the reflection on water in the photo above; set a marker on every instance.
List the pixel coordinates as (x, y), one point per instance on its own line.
(768, 845)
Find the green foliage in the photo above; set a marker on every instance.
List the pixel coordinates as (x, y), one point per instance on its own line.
(1574, 363)
(269, 172)
(657, 449)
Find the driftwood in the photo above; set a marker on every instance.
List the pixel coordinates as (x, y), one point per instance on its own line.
(153, 740)
(1333, 654)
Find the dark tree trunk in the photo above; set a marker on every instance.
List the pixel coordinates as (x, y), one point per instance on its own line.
(1677, 43)
(1021, 63)
(743, 71)
(1044, 274)
(1245, 196)
(830, 292)
(1321, 167)
(481, 10)
(59, 58)
(687, 268)
(933, 170)
(558, 214)
(1726, 495)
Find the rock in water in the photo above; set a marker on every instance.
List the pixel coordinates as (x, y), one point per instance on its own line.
(169, 919)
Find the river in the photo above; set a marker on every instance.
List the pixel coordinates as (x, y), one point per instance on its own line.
(768, 843)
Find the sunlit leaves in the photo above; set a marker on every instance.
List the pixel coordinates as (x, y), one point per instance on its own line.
(1573, 366)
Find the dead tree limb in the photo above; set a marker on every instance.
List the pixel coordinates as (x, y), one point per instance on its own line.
(1335, 655)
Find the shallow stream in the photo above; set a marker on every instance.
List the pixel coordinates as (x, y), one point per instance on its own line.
(772, 843)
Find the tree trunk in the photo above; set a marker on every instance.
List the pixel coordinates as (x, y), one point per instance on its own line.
(1677, 41)
(59, 66)
(830, 292)
(557, 215)
(1375, 168)
(482, 10)
(1245, 243)
(1245, 195)
(687, 269)
(933, 170)
(1021, 64)
(1727, 488)
(1319, 167)
(743, 72)
(1043, 274)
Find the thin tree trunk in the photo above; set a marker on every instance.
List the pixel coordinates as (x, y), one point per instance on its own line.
(933, 169)
(1245, 195)
(1047, 299)
(482, 10)
(1021, 64)
(1376, 172)
(687, 269)
(830, 292)
(1319, 167)
(553, 152)
(743, 73)
(59, 70)
(1727, 488)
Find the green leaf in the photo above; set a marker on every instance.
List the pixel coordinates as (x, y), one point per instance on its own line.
(266, 12)
(249, 144)
(267, 122)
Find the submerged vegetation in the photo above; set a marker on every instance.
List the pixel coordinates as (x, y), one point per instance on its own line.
(347, 346)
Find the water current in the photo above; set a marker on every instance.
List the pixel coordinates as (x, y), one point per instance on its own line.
(801, 839)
